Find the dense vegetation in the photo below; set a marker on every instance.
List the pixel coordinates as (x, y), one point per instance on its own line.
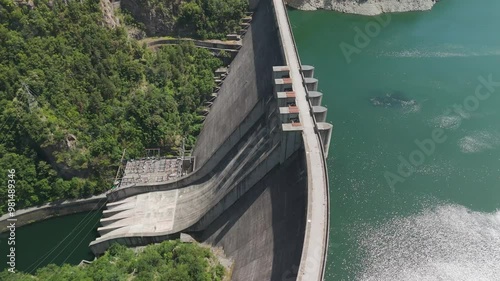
(170, 260)
(202, 19)
(74, 94)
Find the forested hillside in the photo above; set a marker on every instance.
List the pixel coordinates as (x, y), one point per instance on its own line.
(170, 260)
(74, 93)
(201, 19)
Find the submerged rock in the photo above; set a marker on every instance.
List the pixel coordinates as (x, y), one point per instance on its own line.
(396, 99)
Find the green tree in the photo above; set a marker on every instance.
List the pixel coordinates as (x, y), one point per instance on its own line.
(93, 83)
(169, 260)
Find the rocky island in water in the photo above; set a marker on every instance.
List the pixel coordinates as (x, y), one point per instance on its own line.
(364, 7)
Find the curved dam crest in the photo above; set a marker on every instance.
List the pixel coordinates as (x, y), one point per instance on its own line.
(259, 188)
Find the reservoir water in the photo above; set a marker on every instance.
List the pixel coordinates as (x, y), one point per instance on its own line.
(57, 240)
(414, 91)
(387, 99)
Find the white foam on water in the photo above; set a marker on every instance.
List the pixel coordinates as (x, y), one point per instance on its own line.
(411, 106)
(479, 141)
(447, 121)
(446, 242)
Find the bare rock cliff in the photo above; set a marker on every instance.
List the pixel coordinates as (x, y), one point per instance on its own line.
(364, 7)
(108, 12)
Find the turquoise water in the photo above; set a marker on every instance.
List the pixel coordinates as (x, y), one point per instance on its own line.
(443, 220)
(57, 240)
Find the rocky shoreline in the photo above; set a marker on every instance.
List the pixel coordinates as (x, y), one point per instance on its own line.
(364, 7)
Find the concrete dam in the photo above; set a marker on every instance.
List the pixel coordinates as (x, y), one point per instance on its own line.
(259, 186)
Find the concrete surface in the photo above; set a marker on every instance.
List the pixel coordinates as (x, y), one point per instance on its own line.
(240, 102)
(196, 206)
(263, 231)
(268, 211)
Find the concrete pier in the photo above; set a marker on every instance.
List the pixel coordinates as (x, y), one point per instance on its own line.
(308, 71)
(315, 97)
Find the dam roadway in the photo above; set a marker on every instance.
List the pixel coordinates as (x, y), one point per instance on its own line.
(312, 264)
(259, 188)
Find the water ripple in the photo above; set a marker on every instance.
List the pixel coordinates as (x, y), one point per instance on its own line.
(447, 242)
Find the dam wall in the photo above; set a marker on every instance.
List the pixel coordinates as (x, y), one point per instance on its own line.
(249, 82)
(238, 146)
(264, 231)
(162, 214)
(278, 230)
(259, 187)
(240, 103)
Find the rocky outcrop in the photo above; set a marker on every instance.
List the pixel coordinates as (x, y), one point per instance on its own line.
(27, 3)
(108, 12)
(158, 17)
(364, 7)
(59, 156)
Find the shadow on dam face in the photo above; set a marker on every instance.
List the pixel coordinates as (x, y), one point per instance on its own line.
(247, 87)
(263, 232)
